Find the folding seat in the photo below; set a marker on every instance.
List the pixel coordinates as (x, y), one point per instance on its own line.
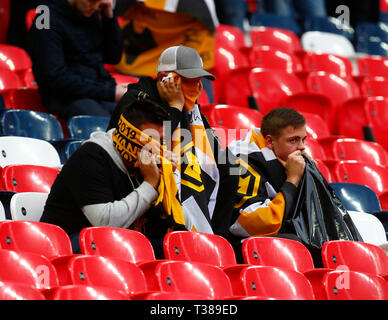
(233, 117)
(27, 178)
(373, 175)
(230, 36)
(18, 291)
(354, 149)
(282, 39)
(275, 88)
(32, 124)
(29, 269)
(376, 109)
(23, 150)
(37, 237)
(82, 292)
(285, 254)
(80, 127)
(374, 86)
(15, 59)
(237, 91)
(325, 42)
(9, 81)
(355, 256)
(356, 197)
(27, 99)
(28, 205)
(323, 168)
(315, 126)
(314, 149)
(107, 272)
(372, 66)
(194, 277)
(331, 63)
(330, 25)
(278, 283)
(267, 57)
(275, 21)
(352, 285)
(336, 88)
(225, 60)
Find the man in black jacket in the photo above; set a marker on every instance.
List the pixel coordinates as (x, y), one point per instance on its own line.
(68, 57)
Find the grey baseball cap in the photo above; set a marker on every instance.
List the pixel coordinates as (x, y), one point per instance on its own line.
(185, 61)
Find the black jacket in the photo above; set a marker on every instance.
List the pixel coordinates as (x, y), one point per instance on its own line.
(68, 58)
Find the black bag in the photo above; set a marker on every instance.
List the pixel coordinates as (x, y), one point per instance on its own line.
(319, 215)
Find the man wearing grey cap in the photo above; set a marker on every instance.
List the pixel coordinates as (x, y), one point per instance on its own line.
(200, 178)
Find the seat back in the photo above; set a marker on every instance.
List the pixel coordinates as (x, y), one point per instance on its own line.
(315, 126)
(325, 42)
(32, 124)
(281, 39)
(352, 119)
(36, 237)
(237, 91)
(19, 291)
(27, 178)
(27, 99)
(372, 66)
(230, 36)
(82, 292)
(377, 112)
(198, 247)
(28, 205)
(277, 283)
(330, 63)
(356, 197)
(107, 272)
(277, 252)
(372, 175)
(113, 242)
(24, 150)
(27, 268)
(314, 149)
(80, 127)
(356, 256)
(374, 86)
(14, 58)
(351, 285)
(193, 277)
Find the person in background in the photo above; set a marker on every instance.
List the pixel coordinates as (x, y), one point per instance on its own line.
(68, 57)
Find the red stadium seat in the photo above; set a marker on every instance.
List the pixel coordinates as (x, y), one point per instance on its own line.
(18, 291)
(16, 60)
(351, 285)
(82, 292)
(237, 90)
(119, 243)
(278, 283)
(198, 247)
(324, 169)
(316, 128)
(372, 66)
(195, 278)
(373, 176)
(356, 256)
(27, 178)
(168, 295)
(281, 39)
(225, 60)
(314, 149)
(29, 269)
(233, 117)
(230, 36)
(27, 99)
(341, 66)
(9, 81)
(29, 18)
(383, 198)
(275, 88)
(374, 86)
(267, 57)
(107, 272)
(377, 112)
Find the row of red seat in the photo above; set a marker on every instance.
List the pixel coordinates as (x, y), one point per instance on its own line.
(199, 264)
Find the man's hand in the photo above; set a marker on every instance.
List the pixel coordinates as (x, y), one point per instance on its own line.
(172, 93)
(121, 89)
(294, 166)
(107, 8)
(148, 167)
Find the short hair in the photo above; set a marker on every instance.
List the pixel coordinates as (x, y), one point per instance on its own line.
(143, 111)
(279, 118)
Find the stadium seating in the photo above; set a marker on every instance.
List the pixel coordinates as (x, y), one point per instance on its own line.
(28, 205)
(351, 285)
(27, 178)
(330, 25)
(194, 277)
(374, 86)
(24, 150)
(27, 99)
(31, 124)
(356, 256)
(330, 63)
(230, 36)
(16, 60)
(66, 148)
(372, 66)
(107, 272)
(377, 113)
(278, 283)
(9, 81)
(18, 291)
(168, 295)
(374, 176)
(314, 149)
(315, 126)
(87, 292)
(237, 91)
(80, 127)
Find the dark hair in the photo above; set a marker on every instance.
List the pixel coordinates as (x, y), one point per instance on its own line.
(278, 119)
(142, 111)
